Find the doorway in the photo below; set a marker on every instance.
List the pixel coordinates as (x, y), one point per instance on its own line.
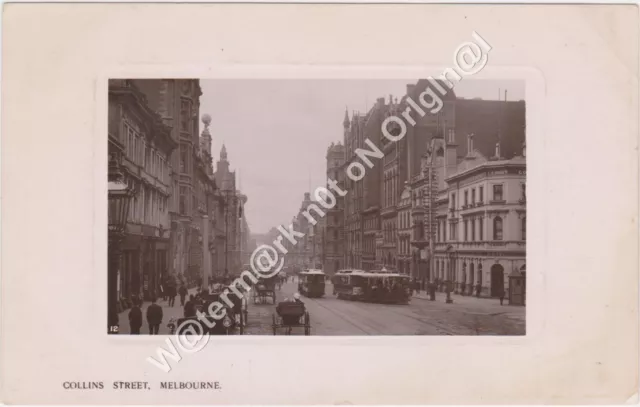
(497, 280)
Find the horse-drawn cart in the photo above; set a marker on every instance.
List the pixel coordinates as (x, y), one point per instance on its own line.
(265, 289)
(290, 315)
(233, 322)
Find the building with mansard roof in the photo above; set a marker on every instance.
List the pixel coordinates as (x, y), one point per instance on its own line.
(478, 219)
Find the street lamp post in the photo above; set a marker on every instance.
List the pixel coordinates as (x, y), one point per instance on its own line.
(448, 281)
(119, 197)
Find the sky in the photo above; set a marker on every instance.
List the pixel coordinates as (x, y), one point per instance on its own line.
(277, 132)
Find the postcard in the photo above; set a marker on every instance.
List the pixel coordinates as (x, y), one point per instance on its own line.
(319, 204)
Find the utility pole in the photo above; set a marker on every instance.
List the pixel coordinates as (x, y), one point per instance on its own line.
(226, 235)
(431, 200)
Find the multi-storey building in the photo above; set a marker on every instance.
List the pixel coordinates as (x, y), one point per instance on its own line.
(394, 176)
(300, 255)
(247, 242)
(482, 239)
(178, 103)
(353, 209)
(480, 230)
(243, 233)
(372, 187)
(228, 219)
(333, 250)
(203, 204)
(317, 238)
(404, 231)
(486, 119)
(140, 147)
(305, 243)
(390, 215)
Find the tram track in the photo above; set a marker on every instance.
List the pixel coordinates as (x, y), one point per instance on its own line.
(365, 316)
(343, 317)
(367, 307)
(438, 327)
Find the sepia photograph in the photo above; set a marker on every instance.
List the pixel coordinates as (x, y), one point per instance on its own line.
(319, 204)
(317, 207)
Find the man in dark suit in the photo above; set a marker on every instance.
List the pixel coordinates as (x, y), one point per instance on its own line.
(154, 317)
(135, 319)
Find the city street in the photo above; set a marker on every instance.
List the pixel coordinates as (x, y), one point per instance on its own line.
(177, 311)
(330, 316)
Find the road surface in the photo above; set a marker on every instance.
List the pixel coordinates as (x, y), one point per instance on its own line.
(330, 316)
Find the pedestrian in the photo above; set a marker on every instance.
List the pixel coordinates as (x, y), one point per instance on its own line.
(172, 289)
(501, 296)
(190, 307)
(183, 294)
(135, 319)
(154, 317)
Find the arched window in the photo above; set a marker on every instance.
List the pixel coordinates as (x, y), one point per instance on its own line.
(497, 228)
(523, 227)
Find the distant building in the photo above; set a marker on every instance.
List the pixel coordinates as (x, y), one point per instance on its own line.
(228, 219)
(333, 250)
(354, 199)
(373, 186)
(404, 231)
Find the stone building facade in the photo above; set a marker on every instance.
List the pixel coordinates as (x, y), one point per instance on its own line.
(177, 101)
(141, 145)
(481, 237)
(333, 250)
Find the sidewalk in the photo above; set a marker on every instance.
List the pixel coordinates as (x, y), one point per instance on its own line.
(176, 311)
(475, 304)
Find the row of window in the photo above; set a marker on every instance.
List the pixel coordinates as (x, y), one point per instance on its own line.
(497, 195)
(404, 245)
(404, 220)
(389, 233)
(371, 224)
(473, 230)
(390, 188)
(185, 116)
(369, 245)
(148, 207)
(137, 150)
(497, 190)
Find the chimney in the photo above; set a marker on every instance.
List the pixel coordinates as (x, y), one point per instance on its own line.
(410, 88)
(390, 99)
(307, 196)
(451, 136)
(381, 101)
(498, 149)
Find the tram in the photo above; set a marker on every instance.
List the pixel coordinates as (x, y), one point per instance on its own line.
(311, 283)
(380, 286)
